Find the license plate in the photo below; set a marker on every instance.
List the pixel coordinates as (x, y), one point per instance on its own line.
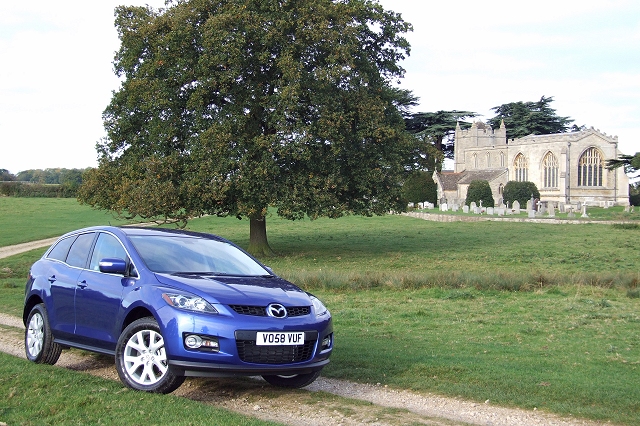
(286, 338)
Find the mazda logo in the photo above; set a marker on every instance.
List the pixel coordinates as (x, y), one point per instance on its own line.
(276, 310)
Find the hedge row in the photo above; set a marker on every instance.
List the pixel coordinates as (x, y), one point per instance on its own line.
(23, 189)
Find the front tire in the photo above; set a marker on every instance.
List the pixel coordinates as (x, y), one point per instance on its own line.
(141, 359)
(38, 340)
(293, 381)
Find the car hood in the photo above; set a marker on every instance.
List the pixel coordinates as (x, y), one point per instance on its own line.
(256, 291)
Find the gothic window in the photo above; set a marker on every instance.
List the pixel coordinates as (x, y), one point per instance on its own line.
(550, 171)
(500, 189)
(475, 161)
(590, 168)
(488, 160)
(521, 168)
(501, 159)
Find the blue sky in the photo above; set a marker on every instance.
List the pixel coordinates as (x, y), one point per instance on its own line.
(56, 76)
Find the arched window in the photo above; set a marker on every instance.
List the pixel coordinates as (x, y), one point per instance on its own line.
(475, 161)
(521, 168)
(550, 170)
(590, 168)
(501, 159)
(500, 189)
(488, 160)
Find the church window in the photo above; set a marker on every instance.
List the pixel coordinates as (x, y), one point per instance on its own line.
(590, 168)
(475, 161)
(501, 159)
(550, 170)
(521, 168)
(488, 160)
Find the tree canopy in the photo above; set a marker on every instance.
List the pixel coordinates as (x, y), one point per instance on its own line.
(229, 107)
(631, 163)
(531, 118)
(436, 130)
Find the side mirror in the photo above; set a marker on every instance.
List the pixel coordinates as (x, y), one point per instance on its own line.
(113, 266)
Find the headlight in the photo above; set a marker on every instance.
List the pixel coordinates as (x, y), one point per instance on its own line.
(318, 306)
(189, 303)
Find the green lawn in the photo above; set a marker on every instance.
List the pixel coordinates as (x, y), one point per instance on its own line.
(521, 314)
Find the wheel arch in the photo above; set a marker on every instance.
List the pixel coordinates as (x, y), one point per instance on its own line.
(136, 314)
(28, 306)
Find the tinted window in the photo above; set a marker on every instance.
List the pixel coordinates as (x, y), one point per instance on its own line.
(80, 250)
(61, 249)
(107, 246)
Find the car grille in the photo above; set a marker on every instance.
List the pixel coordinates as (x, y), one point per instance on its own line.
(261, 311)
(248, 351)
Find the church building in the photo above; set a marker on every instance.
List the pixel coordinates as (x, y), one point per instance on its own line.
(567, 168)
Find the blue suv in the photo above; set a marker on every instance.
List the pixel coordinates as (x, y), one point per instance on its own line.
(170, 304)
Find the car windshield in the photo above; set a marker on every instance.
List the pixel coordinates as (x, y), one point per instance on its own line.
(184, 254)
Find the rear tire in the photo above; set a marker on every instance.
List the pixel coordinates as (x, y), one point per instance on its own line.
(141, 359)
(38, 340)
(293, 381)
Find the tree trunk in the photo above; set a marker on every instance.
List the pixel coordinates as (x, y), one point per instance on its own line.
(258, 244)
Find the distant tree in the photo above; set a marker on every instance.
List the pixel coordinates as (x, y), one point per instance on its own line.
(634, 194)
(531, 118)
(631, 163)
(420, 187)
(437, 129)
(6, 175)
(521, 191)
(480, 190)
(232, 107)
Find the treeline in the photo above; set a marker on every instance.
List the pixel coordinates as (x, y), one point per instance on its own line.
(52, 183)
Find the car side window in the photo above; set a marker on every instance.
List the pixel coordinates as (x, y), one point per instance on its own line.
(107, 246)
(80, 250)
(61, 249)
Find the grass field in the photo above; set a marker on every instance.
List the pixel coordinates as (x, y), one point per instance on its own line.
(528, 315)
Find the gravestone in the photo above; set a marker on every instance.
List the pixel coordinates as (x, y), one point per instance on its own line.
(516, 207)
(552, 211)
(490, 210)
(584, 211)
(465, 209)
(561, 207)
(531, 214)
(529, 205)
(473, 206)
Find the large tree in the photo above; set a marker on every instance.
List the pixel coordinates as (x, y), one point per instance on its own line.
(436, 130)
(531, 118)
(229, 107)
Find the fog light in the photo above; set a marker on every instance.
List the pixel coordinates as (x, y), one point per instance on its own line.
(193, 341)
(326, 342)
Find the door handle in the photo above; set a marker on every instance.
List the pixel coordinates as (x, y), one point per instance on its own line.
(52, 278)
(82, 284)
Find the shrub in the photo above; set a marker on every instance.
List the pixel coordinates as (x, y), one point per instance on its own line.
(419, 187)
(22, 189)
(480, 190)
(520, 191)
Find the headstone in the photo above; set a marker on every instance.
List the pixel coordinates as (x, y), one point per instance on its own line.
(410, 205)
(455, 207)
(579, 206)
(627, 209)
(561, 207)
(552, 211)
(444, 207)
(476, 210)
(490, 210)
(501, 211)
(584, 211)
(473, 205)
(571, 214)
(532, 214)
(516, 207)
(465, 209)
(529, 205)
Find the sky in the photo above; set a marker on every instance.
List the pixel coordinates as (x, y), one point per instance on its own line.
(56, 71)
